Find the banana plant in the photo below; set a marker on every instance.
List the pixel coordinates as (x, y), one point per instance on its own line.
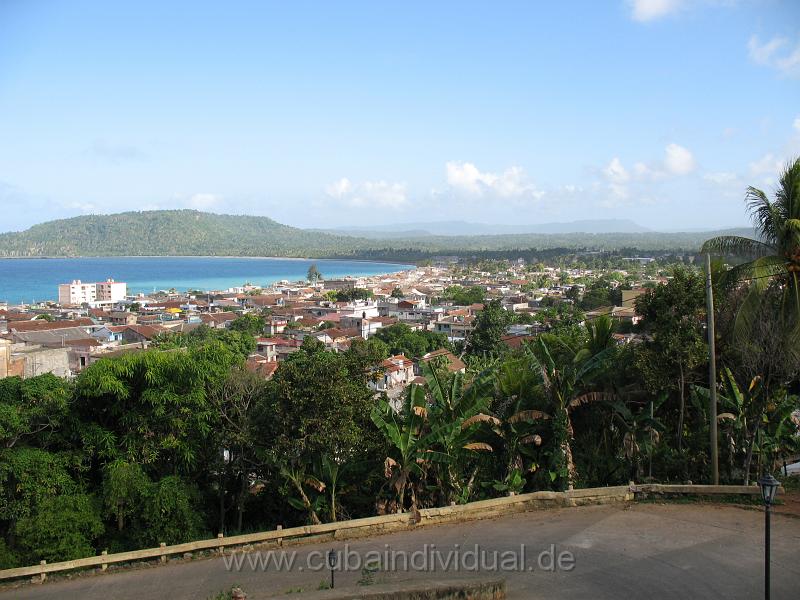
(642, 431)
(457, 412)
(411, 443)
(561, 385)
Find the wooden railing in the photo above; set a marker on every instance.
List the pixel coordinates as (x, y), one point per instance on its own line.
(344, 529)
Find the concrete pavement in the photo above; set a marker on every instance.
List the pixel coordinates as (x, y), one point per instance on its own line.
(638, 550)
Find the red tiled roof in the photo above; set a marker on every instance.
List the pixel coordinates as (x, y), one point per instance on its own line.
(40, 325)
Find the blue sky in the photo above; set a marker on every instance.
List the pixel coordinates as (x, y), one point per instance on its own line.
(350, 113)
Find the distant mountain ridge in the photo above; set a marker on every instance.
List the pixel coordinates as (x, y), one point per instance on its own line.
(458, 228)
(195, 233)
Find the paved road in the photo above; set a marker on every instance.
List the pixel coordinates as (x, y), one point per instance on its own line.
(640, 551)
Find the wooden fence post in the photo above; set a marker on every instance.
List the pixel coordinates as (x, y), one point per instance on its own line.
(104, 566)
(162, 545)
(221, 547)
(43, 575)
(280, 539)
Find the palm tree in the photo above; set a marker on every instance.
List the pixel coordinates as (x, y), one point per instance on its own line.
(775, 257)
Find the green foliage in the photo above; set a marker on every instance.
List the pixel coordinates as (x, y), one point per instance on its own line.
(773, 260)
(170, 513)
(350, 294)
(401, 339)
(313, 274)
(29, 476)
(151, 407)
(248, 324)
(62, 527)
(302, 426)
(462, 296)
(32, 409)
(491, 325)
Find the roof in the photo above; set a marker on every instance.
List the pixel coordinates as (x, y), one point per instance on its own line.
(261, 366)
(516, 341)
(73, 336)
(453, 362)
(148, 332)
(41, 325)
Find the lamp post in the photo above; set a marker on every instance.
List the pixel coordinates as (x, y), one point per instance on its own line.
(769, 487)
(331, 564)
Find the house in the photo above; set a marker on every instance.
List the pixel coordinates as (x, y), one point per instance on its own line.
(335, 338)
(450, 360)
(139, 334)
(456, 326)
(109, 334)
(260, 365)
(121, 317)
(396, 374)
(267, 348)
(220, 320)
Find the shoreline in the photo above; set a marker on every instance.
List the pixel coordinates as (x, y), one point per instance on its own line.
(392, 269)
(362, 260)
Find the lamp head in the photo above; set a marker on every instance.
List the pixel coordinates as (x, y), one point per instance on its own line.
(769, 488)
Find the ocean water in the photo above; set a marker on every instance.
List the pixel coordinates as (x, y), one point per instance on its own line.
(36, 279)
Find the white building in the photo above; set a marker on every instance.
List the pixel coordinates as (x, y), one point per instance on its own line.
(94, 294)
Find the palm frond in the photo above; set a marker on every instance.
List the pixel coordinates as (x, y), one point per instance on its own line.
(480, 418)
(528, 415)
(735, 245)
(592, 397)
(478, 446)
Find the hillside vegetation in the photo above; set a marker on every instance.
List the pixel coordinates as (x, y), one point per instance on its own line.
(189, 232)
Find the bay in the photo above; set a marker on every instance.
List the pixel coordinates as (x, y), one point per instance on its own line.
(37, 279)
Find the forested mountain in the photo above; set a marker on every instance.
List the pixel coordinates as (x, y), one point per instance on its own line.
(194, 233)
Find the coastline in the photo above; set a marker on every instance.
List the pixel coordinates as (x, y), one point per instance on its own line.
(27, 283)
(104, 256)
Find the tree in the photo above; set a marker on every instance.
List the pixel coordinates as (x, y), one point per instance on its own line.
(151, 407)
(772, 260)
(401, 339)
(237, 400)
(313, 275)
(62, 527)
(491, 325)
(397, 292)
(462, 296)
(32, 410)
(249, 324)
(673, 315)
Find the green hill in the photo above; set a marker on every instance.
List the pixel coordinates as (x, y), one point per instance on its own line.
(194, 233)
(168, 233)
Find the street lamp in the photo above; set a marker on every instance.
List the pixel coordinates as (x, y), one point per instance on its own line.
(331, 563)
(769, 487)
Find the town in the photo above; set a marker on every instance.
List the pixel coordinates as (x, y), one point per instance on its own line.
(99, 320)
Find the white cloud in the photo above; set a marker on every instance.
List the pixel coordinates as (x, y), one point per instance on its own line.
(720, 178)
(796, 124)
(766, 165)
(512, 182)
(375, 194)
(616, 172)
(779, 53)
(339, 189)
(650, 10)
(679, 160)
(203, 201)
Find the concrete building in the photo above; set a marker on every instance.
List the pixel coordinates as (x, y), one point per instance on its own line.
(94, 294)
(77, 292)
(24, 360)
